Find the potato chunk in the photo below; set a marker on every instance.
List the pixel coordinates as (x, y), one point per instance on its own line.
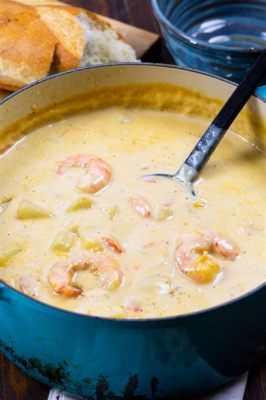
(63, 241)
(110, 212)
(4, 203)
(29, 210)
(7, 253)
(164, 214)
(92, 244)
(80, 203)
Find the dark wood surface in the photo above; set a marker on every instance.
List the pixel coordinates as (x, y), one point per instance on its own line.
(14, 385)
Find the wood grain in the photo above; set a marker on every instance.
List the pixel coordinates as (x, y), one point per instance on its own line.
(14, 385)
(256, 387)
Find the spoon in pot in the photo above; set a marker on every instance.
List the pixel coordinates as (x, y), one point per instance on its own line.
(190, 169)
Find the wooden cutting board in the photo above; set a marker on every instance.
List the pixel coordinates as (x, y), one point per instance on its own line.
(140, 39)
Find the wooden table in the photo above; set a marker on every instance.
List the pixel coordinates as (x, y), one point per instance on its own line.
(14, 385)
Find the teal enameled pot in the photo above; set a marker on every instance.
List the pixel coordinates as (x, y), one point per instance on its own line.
(134, 359)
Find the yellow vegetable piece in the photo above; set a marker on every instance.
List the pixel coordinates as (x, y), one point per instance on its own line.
(29, 210)
(199, 204)
(80, 203)
(204, 269)
(4, 203)
(63, 241)
(110, 212)
(73, 228)
(120, 315)
(92, 244)
(6, 254)
(164, 214)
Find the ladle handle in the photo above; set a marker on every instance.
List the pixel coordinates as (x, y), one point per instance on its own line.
(215, 132)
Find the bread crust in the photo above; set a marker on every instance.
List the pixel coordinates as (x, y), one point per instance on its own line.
(26, 45)
(34, 39)
(70, 36)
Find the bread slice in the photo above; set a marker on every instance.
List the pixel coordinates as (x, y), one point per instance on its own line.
(41, 2)
(70, 36)
(26, 45)
(32, 37)
(83, 38)
(102, 43)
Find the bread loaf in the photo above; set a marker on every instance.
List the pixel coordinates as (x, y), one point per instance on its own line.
(26, 45)
(38, 40)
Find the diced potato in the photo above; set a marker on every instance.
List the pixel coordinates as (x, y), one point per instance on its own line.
(92, 244)
(204, 269)
(4, 203)
(110, 212)
(63, 241)
(29, 210)
(164, 214)
(7, 253)
(80, 203)
(73, 228)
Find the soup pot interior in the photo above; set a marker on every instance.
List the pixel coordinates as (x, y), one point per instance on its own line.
(105, 358)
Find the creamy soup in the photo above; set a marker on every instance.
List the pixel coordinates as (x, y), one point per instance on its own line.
(81, 229)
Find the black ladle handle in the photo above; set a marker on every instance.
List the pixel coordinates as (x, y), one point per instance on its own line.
(215, 132)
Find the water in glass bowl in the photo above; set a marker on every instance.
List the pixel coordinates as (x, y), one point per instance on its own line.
(222, 37)
(232, 31)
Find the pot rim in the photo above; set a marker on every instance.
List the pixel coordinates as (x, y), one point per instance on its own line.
(170, 318)
(125, 64)
(201, 312)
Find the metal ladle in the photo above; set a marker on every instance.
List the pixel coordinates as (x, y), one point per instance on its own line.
(191, 168)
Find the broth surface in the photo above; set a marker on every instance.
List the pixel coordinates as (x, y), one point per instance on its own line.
(133, 141)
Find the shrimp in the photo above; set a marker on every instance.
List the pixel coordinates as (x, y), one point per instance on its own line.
(29, 285)
(109, 278)
(107, 271)
(199, 242)
(193, 259)
(221, 246)
(97, 172)
(186, 252)
(141, 206)
(112, 245)
(224, 248)
(61, 273)
(201, 268)
(184, 256)
(105, 268)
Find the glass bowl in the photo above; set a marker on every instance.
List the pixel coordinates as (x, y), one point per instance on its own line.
(221, 37)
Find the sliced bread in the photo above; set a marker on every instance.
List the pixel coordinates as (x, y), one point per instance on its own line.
(35, 38)
(26, 45)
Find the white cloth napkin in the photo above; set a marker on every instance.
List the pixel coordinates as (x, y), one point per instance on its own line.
(233, 391)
